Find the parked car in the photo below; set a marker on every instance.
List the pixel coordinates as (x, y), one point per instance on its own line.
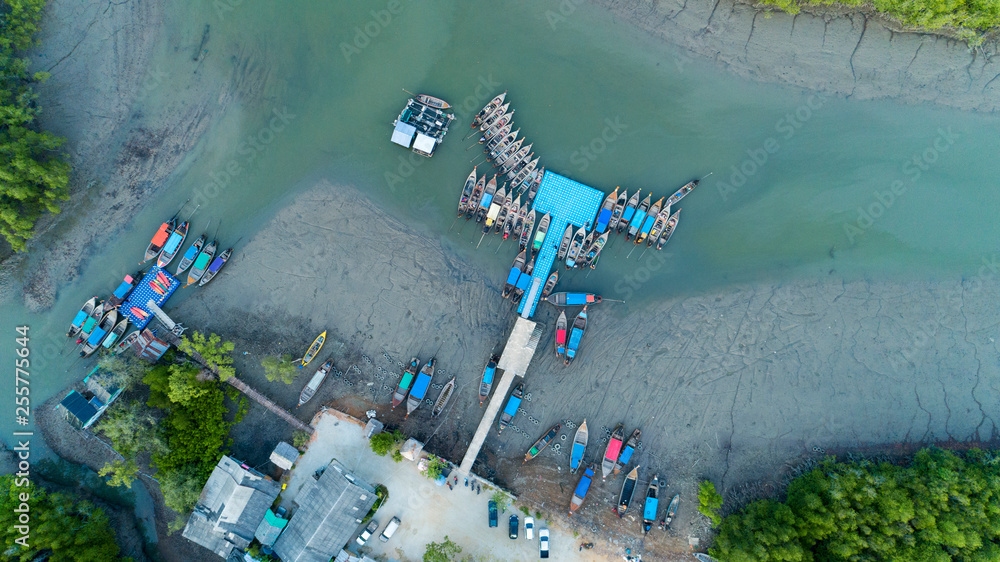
(367, 533)
(529, 528)
(513, 526)
(493, 513)
(543, 543)
(389, 529)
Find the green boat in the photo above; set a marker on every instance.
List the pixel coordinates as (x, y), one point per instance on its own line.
(403, 388)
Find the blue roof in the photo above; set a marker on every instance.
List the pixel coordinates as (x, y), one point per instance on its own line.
(77, 405)
(420, 387)
(567, 202)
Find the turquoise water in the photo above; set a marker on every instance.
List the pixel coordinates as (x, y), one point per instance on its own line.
(315, 86)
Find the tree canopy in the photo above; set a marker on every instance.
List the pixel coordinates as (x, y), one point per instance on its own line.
(61, 528)
(942, 507)
(214, 352)
(444, 551)
(281, 368)
(33, 175)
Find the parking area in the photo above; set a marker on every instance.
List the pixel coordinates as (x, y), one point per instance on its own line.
(428, 512)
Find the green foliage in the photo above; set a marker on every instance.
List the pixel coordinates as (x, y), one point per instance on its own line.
(709, 501)
(445, 551)
(435, 467)
(300, 438)
(972, 18)
(33, 176)
(121, 371)
(280, 368)
(942, 507)
(132, 431)
(214, 352)
(62, 527)
(397, 456)
(382, 443)
(525, 511)
(181, 487)
(502, 499)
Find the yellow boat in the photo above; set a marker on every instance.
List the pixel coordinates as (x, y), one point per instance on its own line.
(314, 349)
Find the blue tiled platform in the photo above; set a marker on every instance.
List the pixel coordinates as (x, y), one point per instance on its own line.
(566, 201)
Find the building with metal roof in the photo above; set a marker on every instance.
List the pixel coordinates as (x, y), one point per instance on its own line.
(77, 410)
(82, 410)
(231, 507)
(269, 529)
(403, 133)
(329, 511)
(284, 455)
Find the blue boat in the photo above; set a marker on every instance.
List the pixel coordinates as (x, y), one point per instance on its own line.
(626, 454)
(579, 327)
(629, 211)
(604, 217)
(649, 510)
(81, 317)
(125, 288)
(582, 488)
(487, 382)
(647, 224)
(637, 219)
(510, 410)
(579, 446)
(515, 272)
(572, 299)
(419, 390)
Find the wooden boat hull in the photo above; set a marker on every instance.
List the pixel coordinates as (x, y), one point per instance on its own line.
(625, 456)
(313, 350)
(576, 336)
(629, 211)
(190, 255)
(529, 224)
(216, 266)
(420, 386)
(580, 493)
(567, 239)
(201, 263)
(99, 333)
(682, 192)
(542, 442)
(561, 325)
(572, 299)
(159, 239)
(604, 215)
(579, 447)
(81, 317)
(628, 491)
(443, 398)
(431, 101)
(314, 383)
(616, 214)
(486, 383)
(550, 284)
(116, 333)
(127, 342)
(611, 453)
(405, 381)
(651, 504)
(668, 230)
(173, 245)
(574, 248)
(671, 512)
(510, 409)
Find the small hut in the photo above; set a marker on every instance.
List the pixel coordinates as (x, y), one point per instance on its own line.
(412, 449)
(284, 456)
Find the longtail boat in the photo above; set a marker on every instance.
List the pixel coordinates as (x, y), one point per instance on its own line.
(127, 342)
(92, 321)
(81, 317)
(487, 381)
(574, 248)
(671, 512)
(215, 267)
(173, 245)
(607, 209)
(542, 442)
(504, 211)
(317, 379)
(575, 335)
(202, 262)
(313, 350)
(640, 215)
(611, 453)
(649, 509)
(522, 217)
(590, 257)
(518, 169)
(419, 390)
(403, 388)
(579, 446)
(475, 198)
(550, 284)
(116, 333)
(543, 227)
(515, 272)
(101, 331)
(515, 159)
(487, 109)
(647, 223)
(495, 206)
(572, 299)
(431, 101)
(564, 243)
(497, 121)
(668, 230)
(487, 199)
(522, 175)
(661, 221)
(160, 238)
(628, 490)
(443, 398)
(535, 183)
(189, 256)
(629, 211)
(512, 215)
(510, 410)
(529, 224)
(470, 184)
(580, 493)
(561, 325)
(503, 152)
(682, 192)
(125, 288)
(494, 116)
(616, 214)
(626, 453)
(502, 135)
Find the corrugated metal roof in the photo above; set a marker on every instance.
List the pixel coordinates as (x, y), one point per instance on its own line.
(403, 134)
(78, 406)
(424, 143)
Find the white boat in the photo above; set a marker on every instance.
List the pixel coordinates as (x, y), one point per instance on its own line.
(317, 379)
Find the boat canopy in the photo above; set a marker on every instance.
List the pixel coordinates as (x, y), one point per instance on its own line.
(81, 316)
(173, 243)
(574, 338)
(488, 374)
(403, 134)
(523, 282)
(406, 380)
(626, 455)
(576, 299)
(124, 288)
(512, 406)
(96, 336)
(584, 486)
(649, 512)
(602, 219)
(577, 456)
(613, 449)
(420, 387)
(424, 144)
(511, 277)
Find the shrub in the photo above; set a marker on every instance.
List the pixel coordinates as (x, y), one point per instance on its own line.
(709, 501)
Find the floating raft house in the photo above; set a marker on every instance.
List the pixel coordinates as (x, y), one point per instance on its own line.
(420, 127)
(157, 285)
(567, 202)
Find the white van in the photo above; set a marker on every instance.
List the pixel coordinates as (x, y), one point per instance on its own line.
(389, 530)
